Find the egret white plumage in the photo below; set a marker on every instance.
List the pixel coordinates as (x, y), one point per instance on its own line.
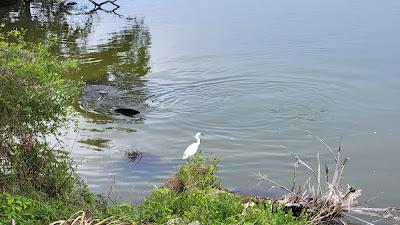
(192, 149)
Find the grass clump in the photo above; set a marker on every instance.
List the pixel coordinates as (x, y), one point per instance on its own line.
(199, 173)
(201, 199)
(200, 202)
(205, 206)
(125, 212)
(203, 203)
(33, 210)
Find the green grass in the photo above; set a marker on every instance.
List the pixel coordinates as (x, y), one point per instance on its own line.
(163, 205)
(205, 206)
(200, 199)
(199, 173)
(31, 210)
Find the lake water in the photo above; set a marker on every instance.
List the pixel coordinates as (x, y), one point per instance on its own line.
(255, 76)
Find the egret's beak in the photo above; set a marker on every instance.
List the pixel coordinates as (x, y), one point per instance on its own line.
(203, 135)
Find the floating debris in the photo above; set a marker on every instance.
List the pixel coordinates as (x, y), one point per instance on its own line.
(100, 143)
(127, 130)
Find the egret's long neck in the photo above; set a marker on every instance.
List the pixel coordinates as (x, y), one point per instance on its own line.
(198, 139)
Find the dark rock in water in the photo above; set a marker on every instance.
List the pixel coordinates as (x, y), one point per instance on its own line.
(126, 111)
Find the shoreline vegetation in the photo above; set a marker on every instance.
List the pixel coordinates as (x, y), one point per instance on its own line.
(38, 184)
(192, 196)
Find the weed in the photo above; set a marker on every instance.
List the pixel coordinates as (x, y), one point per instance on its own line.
(199, 173)
(33, 211)
(202, 200)
(125, 212)
(211, 207)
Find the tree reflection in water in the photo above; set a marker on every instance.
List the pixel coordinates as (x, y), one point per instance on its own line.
(121, 61)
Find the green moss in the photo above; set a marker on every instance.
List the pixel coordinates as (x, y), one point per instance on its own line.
(99, 143)
(96, 130)
(127, 130)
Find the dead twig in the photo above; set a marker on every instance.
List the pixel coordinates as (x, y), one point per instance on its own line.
(81, 218)
(332, 201)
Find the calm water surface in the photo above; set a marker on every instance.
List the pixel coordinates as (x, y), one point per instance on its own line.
(254, 76)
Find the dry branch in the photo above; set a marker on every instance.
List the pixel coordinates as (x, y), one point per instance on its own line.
(333, 203)
(81, 218)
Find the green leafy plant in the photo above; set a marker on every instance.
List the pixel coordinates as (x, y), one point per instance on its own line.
(211, 207)
(31, 211)
(199, 173)
(35, 101)
(266, 213)
(124, 212)
(202, 200)
(34, 98)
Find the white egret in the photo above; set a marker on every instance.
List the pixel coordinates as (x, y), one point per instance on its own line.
(192, 149)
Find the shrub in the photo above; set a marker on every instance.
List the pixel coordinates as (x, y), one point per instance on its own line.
(39, 209)
(199, 173)
(124, 212)
(202, 199)
(211, 207)
(207, 205)
(34, 99)
(266, 213)
(35, 102)
(31, 211)
(38, 169)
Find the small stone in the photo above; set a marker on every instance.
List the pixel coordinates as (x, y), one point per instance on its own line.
(175, 221)
(195, 223)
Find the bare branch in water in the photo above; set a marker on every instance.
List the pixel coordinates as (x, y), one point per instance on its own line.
(333, 202)
(326, 145)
